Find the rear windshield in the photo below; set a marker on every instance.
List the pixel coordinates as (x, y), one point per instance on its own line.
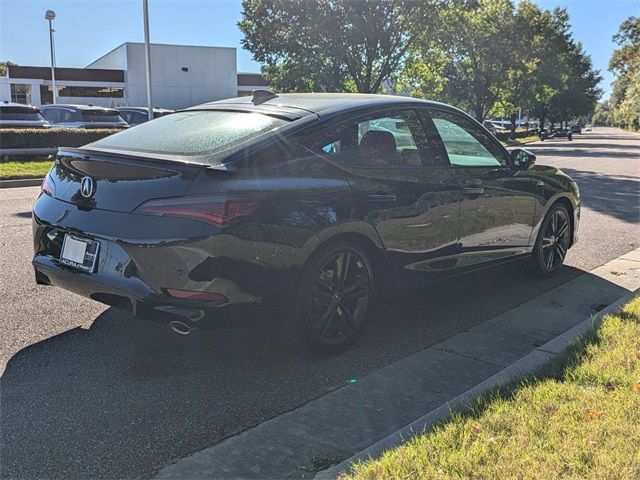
(192, 133)
(20, 113)
(101, 116)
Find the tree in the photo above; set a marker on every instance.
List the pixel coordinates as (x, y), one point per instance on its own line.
(4, 66)
(602, 115)
(625, 63)
(579, 93)
(333, 45)
(482, 44)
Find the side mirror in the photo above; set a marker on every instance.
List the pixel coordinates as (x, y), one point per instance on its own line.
(522, 159)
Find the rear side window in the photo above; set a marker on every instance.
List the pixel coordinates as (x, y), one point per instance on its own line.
(192, 133)
(101, 116)
(19, 113)
(391, 139)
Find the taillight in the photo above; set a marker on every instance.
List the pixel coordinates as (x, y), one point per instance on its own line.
(206, 208)
(48, 186)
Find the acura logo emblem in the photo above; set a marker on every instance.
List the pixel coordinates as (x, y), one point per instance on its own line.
(87, 188)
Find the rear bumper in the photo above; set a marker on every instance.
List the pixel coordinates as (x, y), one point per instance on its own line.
(154, 307)
(135, 274)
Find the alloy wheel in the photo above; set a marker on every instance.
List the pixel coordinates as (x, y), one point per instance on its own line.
(555, 241)
(339, 296)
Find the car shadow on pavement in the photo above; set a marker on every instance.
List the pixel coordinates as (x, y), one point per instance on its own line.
(127, 397)
(615, 195)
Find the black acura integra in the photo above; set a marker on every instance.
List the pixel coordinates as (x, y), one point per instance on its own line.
(305, 204)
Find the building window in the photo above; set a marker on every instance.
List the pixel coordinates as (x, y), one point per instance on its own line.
(21, 93)
(46, 95)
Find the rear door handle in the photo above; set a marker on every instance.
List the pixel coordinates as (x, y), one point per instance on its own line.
(381, 197)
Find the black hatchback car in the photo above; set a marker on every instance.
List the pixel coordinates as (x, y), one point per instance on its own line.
(305, 204)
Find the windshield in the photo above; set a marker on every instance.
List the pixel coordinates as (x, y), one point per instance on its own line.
(20, 113)
(192, 133)
(101, 116)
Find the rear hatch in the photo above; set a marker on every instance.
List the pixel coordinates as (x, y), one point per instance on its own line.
(117, 182)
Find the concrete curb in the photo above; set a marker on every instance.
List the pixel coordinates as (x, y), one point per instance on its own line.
(517, 371)
(23, 182)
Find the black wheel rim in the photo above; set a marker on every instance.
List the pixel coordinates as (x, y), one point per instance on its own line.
(339, 297)
(555, 240)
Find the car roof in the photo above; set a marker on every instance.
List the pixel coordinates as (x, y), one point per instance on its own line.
(14, 104)
(315, 103)
(77, 107)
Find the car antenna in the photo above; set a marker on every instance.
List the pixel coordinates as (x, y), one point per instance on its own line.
(261, 96)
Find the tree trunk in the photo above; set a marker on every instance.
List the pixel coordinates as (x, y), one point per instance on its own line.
(513, 124)
(479, 113)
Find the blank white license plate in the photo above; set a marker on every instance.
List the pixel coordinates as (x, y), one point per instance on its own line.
(79, 252)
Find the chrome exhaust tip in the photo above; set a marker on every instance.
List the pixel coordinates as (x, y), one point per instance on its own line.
(180, 328)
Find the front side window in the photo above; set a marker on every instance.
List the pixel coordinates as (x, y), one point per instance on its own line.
(51, 115)
(465, 143)
(379, 140)
(192, 133)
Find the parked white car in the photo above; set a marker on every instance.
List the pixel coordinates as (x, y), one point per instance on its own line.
(82, 116)
(18, 115)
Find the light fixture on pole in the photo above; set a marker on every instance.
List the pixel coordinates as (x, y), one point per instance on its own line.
(147, 55)
(50, 15)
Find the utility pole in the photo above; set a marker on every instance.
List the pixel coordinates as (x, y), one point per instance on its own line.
(50, 15)
(147, 56)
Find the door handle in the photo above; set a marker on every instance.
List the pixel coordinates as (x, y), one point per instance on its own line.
(381, 197)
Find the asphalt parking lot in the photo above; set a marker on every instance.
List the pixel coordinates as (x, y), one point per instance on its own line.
(125, 398)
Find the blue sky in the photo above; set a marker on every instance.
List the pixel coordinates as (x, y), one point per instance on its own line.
(87, 29)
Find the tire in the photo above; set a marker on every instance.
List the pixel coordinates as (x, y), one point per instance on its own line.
(553, 242)
(332, 302)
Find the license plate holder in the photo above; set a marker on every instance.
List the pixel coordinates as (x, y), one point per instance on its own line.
(79, 252)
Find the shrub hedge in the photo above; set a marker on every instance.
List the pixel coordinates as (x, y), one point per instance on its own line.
(51, 137)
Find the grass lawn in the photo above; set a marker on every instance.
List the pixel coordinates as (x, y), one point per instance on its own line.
(522, 141)
(16, 170)
(582, 423)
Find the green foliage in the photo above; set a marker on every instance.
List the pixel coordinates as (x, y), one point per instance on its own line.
(484, 56)
(333, 45)
(602, 117)
(4, 67)
(51, 137)
(625, 63)
(482, 45)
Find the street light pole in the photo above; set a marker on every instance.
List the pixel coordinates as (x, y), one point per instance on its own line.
(50, 15)
(147, 56)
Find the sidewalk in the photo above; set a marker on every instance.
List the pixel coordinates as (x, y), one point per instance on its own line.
(338, 425)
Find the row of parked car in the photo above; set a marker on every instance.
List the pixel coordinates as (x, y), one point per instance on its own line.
(17, 115)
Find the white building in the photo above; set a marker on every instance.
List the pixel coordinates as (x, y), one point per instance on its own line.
(181, 76)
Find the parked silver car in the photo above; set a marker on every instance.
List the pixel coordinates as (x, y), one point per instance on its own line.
(137, 115)
(18, 115)
(82, 116)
